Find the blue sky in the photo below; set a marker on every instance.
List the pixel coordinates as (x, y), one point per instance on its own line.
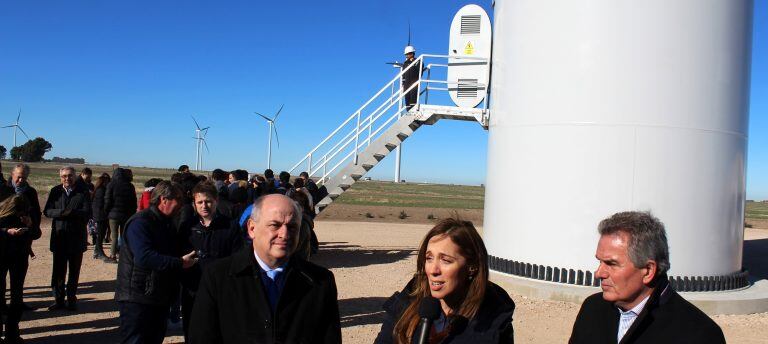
(117, 81)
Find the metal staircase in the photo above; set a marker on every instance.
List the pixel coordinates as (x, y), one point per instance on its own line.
(382, 124)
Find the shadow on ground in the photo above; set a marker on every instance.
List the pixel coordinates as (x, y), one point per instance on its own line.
(94, 287)
(361, 311)
(343, 255)
(94, 337)
(754, 260)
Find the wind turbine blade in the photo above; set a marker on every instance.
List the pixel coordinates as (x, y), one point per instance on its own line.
(278, 113)
(205, 131)
(265, 117)
(8, 126)
(22, 131)
(197, 125)
(274, 127)
(206, 146)
(18, 117)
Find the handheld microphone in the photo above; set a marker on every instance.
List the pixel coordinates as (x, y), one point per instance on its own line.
(429, 311)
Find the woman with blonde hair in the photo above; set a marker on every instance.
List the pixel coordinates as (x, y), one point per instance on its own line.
(452, 267)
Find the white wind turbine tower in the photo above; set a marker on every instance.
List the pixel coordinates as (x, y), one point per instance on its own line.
(16, 127)
(272, 127)
(200, 134)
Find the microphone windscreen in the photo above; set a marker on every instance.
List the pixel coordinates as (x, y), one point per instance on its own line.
(430, 308)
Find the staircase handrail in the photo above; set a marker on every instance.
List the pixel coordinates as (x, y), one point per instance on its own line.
(373, 116)
(356, 113)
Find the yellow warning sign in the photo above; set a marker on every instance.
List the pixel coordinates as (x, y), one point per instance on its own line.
(469, 49)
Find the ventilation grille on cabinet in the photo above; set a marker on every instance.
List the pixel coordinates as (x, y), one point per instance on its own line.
(470, 25)
(467, 88)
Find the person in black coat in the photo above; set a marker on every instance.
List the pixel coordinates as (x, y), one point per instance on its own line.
(411, 76)
(637, 304)
(120, 203)
(18, 185)
(211, 235)
(69, 206)
(452, 267)
(16, 235)
(99, 215)
(266, 294)
(85, 178)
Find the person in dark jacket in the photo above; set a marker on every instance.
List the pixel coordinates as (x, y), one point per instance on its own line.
(16, 235)
(85, 178)
(149, 267)
(266, 294)
(69, 207)
(120, 204)
(411, 76)
(314, 191)
(452, 267)
(637, 304)
(18, 185)
(99, 215)
(212, 235)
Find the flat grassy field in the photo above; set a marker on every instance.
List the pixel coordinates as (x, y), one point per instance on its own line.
(45, 176)
(413, 195)
(757, 210)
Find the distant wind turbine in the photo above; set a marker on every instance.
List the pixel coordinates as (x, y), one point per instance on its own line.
(272, 127)
(200, 134)
(16, 127)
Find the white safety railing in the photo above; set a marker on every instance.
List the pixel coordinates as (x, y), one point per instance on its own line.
(344, 144)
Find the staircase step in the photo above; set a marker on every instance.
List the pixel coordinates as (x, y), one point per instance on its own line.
(390, 146)
(345, 186)
(367, 167)
(402, 136)
(333, 196)
(356, 176)
(414, 125)
(379, 157)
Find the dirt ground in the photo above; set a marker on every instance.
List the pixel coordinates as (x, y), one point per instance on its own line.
(371, 260)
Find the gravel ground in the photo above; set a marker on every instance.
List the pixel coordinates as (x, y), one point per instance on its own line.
(370, 261)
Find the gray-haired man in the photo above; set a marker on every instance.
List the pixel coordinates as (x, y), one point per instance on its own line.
(637, 304)
(69, 207)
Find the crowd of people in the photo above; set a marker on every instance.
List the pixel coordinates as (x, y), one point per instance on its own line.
(231, 256)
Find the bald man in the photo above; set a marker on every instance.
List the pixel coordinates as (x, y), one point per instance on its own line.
(265, 293)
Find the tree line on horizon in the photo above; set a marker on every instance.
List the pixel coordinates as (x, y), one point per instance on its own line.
(31, 151)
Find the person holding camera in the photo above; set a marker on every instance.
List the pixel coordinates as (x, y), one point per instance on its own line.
(212, 235)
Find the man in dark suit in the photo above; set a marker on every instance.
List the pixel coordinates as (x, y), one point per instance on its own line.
(266, 294)
(69, 207)
(637, 304)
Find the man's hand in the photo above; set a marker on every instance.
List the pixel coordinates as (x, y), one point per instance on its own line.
(14, 231)
(189, 260)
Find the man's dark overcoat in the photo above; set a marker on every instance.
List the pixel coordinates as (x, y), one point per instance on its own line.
(666, 318)
(69, 215)
(231, 305)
